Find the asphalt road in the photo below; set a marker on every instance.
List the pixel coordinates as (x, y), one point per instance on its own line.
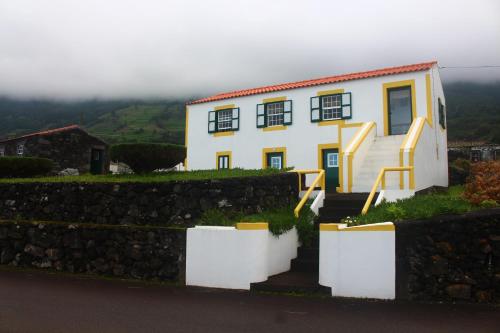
(39, 302)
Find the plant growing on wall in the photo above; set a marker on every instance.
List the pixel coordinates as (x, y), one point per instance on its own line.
(148, 157)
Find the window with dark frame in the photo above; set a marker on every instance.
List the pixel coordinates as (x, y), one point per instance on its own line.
(442, 116)
(224, 120)
(331, 107)
(223, 162)
(20, 149)
(274, 114)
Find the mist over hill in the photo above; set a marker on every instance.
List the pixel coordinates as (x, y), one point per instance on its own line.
(473, 113)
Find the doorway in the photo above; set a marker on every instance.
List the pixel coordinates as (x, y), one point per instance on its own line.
(330, 159)
(96, 161)
(399, 109)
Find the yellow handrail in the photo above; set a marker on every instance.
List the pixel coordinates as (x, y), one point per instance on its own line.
(381, 178)
(319, 178)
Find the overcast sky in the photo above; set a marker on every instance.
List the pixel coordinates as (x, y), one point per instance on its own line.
(120, 48)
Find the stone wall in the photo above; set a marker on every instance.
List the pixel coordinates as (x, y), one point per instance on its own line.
(166, 204)
(449, 258)
(152, 253)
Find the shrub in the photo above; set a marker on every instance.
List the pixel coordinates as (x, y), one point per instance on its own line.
(17, 167)
(458, 171)
(147, 157)
(484, 183)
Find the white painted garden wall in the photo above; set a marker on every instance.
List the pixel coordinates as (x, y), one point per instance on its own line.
(358, 261)
(231, 258)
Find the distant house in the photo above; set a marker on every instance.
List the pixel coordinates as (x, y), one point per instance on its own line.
(68, 147)
(475, 151)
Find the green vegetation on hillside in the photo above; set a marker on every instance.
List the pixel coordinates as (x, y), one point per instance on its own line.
(156, 177)
(422, 206)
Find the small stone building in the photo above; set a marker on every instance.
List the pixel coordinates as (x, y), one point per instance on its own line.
(69, 147)
(474, 151)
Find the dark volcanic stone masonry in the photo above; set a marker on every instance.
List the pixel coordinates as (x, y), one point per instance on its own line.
(152, 253)
(449, 258)
(166, 204)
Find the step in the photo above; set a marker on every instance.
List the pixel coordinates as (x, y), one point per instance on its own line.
(305, 265)
(343, 211)
(292, 282)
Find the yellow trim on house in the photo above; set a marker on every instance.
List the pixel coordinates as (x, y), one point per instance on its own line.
(428, 92)
(412, 154)
(252, 226)
(223, 107)
(274, 128)
(346, 125)
(368, 227)
(322, 146)
(330, 92)
(265, 151)
(329, 227)
(331, 122)
(385, 101)
(224, 153)
(186, 137)
(401, 155)
(274, 99)
(225, 133)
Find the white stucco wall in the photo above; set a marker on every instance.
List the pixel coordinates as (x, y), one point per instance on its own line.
(225, 257)
(358, 261)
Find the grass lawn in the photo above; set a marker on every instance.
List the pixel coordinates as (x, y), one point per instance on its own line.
(423, 206)
(280, 220)
(156, 177)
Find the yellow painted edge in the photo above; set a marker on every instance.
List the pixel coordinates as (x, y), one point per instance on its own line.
(429, 98)
(329, 227)
(274, 99)
(345, 125)
(349, 173)
(372, 227)
(358, 142)
(330, 92)
(274, 128)
(186, 137)
(341, 161)
(252, 226)
(331, 122)
(273, 150)
(223, 107)
(412, 172)
(222, 153)
(385, 105)
(401, 153)
(226, 133)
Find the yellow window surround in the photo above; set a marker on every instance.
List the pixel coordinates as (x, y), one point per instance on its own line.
(385, 101)
(330, 92)
(225, 133)
(219, 108)
(320, 159)
(223, 153)
(274, 99)
(224, 107)
(265, 151)
(274, 128)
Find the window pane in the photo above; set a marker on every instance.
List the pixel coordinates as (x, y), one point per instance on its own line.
(400, 110)
(275, 114)
(276, 162)
(332, 107)
(224, 121)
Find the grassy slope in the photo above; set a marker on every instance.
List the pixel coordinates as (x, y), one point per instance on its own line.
(148, 178)
(142, 123)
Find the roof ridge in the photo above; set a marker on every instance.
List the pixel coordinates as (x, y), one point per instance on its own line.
(317, 81)
(46, 132)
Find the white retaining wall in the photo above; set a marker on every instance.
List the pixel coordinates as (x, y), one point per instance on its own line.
(231, 258)
(358, 261)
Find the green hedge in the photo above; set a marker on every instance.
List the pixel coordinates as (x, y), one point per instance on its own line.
(147, 157)
(23, 167)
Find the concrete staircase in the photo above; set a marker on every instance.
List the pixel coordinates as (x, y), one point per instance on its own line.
(303, 275)
(384, 152)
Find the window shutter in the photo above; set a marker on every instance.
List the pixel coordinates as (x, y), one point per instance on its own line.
(261, 116)
(236, 119)
(287, 112)
(346, 106)
(315, 109)
(212, 122)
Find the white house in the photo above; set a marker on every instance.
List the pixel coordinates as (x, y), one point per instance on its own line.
(350, 125)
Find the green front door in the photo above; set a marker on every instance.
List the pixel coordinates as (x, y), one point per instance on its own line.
(274, 160)
(331, 166)
(96, 161)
